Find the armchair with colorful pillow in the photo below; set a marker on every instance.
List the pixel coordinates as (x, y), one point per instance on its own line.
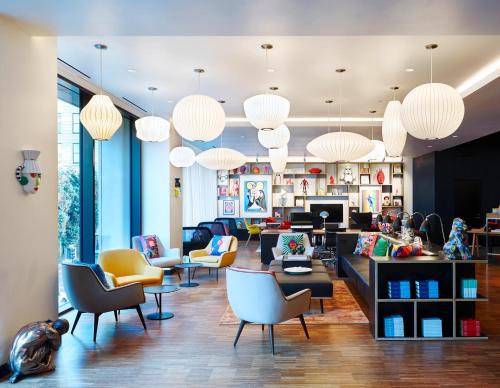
(219, 253)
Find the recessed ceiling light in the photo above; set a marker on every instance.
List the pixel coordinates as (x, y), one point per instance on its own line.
(409, 69)
(429, 146)
(454, 136)
(132, 70)
(270, 70)
(170, 101)
(242, 136)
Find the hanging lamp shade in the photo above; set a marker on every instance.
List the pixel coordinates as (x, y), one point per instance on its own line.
(276, 138)
(100, 117)
(199, 118)
(221, 159)
(432, 111)
(393, 131)
(182, 157)
(340, 146)
(152, 128)
(277, 158)
(266, 111)
(376, 155)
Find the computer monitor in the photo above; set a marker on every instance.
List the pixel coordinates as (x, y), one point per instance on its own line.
(335, 213)
(362, 221)
(301, 218)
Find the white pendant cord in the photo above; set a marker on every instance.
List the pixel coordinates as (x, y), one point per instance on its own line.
(329, 114)
(100, 71)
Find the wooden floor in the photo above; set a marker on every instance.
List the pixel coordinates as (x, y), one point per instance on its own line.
(192, 349)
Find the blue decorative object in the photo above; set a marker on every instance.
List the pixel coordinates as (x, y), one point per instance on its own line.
(457, 246)
(468, 288)
(432, 327)
(427, 289)
(394, 326)
(399, 289)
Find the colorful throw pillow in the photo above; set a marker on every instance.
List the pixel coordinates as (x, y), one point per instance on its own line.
(150, 246)
(365, 244)
(385, 227)
(407, 250)
(380, 248)
(100, 274)
(220, 245)
(292, 243)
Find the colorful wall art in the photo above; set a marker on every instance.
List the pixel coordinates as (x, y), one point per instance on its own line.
(255, 196)
(371, 199)
(228, 208)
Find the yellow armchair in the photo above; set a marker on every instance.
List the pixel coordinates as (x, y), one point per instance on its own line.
(126, 266)
(253, 230)
(203, 256)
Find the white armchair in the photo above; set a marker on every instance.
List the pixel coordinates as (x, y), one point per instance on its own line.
(168, 257)
(256, 297)
(278, 249)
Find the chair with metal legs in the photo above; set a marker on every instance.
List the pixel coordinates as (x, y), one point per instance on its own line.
(252, 230)
(256, 297)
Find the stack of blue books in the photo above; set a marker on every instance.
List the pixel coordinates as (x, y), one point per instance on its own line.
(394, 326)
(432, 327)
(399, 289)
(427, 289)
(468, 288)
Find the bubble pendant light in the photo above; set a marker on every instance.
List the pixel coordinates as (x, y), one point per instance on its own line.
(276, 138)
(393, 131)
(432, 110)
(378, 153)
(277, 158)
(152, 128)
(100, 117)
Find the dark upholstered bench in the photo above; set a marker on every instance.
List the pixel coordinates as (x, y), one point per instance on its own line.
(319, 282)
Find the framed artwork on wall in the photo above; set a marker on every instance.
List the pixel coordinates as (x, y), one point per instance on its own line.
(255, 196)
(371, 199)
(222, 177)
(234, 187)
(228, 208)
(364, 179)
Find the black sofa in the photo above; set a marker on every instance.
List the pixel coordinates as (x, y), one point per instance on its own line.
(355, 268)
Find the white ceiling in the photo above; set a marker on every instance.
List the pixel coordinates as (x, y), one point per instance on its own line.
(376, 40)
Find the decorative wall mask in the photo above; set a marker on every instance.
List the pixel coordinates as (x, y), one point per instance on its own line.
(29, 174)
(177, 187)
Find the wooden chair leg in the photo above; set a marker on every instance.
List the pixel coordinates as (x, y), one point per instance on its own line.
(78, 315)
(209, 271)
(321, 305)
(303, 322)
(179, 274)
(240, 329)
(116, 315)
(96, 323)
(271, 337)
(217, 274)
(263, 327)
(139, 312)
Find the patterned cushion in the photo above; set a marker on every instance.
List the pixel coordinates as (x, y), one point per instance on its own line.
(407, 250)
(365, 244)
(100, 274)
(220, 245)
(292, 243)
(150, 246)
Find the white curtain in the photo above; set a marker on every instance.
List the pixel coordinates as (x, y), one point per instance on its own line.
(199, 195)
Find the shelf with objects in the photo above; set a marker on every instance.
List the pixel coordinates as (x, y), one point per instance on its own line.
(300, 184)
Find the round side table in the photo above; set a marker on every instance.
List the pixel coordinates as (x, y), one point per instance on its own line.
(189, 266)
(158, 291)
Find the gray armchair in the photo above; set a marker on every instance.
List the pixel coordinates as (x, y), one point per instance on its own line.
(256, 297)
(87, 294)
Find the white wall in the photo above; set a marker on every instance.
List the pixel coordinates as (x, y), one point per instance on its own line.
(28, 223)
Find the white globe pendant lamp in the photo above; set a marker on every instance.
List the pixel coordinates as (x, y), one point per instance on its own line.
(278, 157)
(100, 117)
(152, 128)
(378, 152)
(221, 159)
(182, 157)
(266, 112)
(199, 117)
(432, 110)
(276, 138)
(340, 146)
(393, 132)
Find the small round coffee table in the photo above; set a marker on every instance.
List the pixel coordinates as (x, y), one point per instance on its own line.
(158, 291)
(189, 266)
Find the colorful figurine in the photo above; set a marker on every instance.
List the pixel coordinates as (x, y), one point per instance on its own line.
(28, 174)
(457, 246)
(177, 187)
(305, 185)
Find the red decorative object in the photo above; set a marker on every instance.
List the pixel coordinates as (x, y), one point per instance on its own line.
(332, 180)
(270, 219)
(470, 328)
(285, 225)
(380, 177)
(315, 170)
(255, 170)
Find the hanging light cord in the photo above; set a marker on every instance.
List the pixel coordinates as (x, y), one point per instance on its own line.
(340, 104)
(372, 125)
(152, 103)
(329, 118)
(100, 71)
(431, 64)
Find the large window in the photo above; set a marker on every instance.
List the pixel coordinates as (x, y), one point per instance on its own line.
(99, 184)
(68, 106)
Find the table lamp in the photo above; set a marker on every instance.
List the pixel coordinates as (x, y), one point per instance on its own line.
(426, 226)
(324, 214)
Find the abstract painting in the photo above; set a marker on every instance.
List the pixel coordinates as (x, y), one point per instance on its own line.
(255, 196)
(371, 199)
(228, 208)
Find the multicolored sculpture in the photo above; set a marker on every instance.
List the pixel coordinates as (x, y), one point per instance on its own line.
(29, 174)
(457, 246)
(34, 347)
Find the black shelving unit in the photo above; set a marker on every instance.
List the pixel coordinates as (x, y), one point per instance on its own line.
(450, 307)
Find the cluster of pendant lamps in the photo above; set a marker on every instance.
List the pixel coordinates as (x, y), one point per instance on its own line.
(430, 111)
